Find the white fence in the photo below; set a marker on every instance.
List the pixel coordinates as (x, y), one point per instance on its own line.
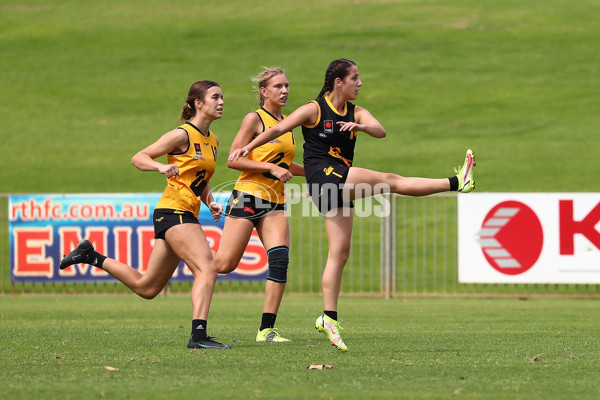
(410, 251)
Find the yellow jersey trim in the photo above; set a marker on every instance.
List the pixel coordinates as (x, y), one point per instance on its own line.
(318, 115)
(334, 109)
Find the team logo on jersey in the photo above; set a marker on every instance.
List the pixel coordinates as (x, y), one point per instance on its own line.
(198, 148)
(328, 126)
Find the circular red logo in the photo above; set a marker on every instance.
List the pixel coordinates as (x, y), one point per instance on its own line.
(511, 237)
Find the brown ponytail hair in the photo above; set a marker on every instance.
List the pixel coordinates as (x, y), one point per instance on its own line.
(337, 69)
(197, 91)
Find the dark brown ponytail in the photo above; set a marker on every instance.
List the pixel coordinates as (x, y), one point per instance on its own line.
(337, 69)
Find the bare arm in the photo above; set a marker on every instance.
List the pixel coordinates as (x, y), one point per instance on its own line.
(297, 169)
(207, 197)
(364, 122)
(175, 140)
(251, 125)
(304, 115)
(215, 208)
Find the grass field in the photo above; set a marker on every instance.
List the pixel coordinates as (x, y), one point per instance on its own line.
(87, 84)
(57, 347)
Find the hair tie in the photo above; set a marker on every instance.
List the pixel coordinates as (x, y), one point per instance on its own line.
(190, 107)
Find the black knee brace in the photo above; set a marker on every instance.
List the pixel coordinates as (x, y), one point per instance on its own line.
(278, 264)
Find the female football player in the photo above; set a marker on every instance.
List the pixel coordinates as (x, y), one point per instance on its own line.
(258, 201)
(191, 151)
(330, 125)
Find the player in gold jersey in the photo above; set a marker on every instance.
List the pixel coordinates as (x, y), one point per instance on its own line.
(191, 151)
(329, 126)
(258, 197)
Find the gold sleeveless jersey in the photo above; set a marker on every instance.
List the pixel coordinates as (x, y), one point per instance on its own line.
(280, 151)
(196, 167)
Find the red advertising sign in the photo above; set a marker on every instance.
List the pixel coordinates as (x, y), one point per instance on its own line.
(43, 228)
(529, 238)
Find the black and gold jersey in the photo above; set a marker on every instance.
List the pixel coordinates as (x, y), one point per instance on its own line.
(280, 151)
(324, 141)
(196, 167)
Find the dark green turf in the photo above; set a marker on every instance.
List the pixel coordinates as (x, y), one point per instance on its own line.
(57, 347)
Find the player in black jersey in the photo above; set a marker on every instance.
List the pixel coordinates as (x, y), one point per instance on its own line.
(330, 125)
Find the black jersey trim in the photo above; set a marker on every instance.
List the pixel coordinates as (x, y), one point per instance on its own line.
(261, 121)
(272, 116)
(198, 129)
(188, 148)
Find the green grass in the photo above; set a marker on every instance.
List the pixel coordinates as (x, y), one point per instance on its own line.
(87, 84)
(57, 347)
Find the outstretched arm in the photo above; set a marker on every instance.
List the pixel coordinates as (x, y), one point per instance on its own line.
(251, 125)
(364, 122)
(303, 115)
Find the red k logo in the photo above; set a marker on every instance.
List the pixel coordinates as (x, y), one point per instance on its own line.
(569, 227)
(511, 237)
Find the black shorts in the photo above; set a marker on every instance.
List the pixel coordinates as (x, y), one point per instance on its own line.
(325, 186)
(244, 205)
(164, 218)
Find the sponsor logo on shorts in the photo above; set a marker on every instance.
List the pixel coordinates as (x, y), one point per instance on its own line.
(329, 170)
